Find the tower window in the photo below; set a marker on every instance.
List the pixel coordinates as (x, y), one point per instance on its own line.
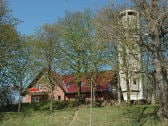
(122, 14)
(132, 13)
(135, 81)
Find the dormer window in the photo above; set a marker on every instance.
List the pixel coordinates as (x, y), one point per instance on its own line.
(38, 86)
(69, 84)
(110, 88)
(82, 84)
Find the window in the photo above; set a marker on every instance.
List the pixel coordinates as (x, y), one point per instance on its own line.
(82, 84)
(59, 97)
(39, 85)
(135, 81)
(122, 14)
(110, 88)
(132, 13)
(69, 84)
(36, 99)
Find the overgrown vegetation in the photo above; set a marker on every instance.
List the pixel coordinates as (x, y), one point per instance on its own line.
(40, 106)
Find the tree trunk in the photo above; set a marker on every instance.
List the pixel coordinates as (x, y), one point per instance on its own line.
(19, 100)
(128, 89)
(161, 73)
(162, 85)
(128, 92)
(94, 95)
(118, 84)
(79, 89)
(154, 91)
(153, 98)
(19, 104)
(51, 102)
(119, 94)
(51, 86)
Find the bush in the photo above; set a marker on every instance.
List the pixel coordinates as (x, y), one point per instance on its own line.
(64, 104)
(73, 104)
(80, 99)
(9, 108)
(39, 106)
(35, 106)
(60, 104)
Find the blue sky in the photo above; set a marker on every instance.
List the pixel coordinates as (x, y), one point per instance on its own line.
(35, 13)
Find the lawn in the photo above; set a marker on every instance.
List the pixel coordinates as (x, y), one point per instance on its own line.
(120, 116)
(104, 116)
(37, 118)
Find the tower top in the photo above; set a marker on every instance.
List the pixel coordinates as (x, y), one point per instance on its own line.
(129, 12)
(130, 19)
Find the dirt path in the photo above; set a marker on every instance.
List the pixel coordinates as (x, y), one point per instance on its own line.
(74, 117)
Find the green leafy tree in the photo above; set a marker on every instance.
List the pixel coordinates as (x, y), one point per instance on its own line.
(9, 35)
(111, 30)
(47, 53)
(80, 50)
(8, 44)
(23, 68)
(155, 13)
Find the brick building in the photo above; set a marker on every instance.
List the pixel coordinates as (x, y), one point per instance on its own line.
(68, 87)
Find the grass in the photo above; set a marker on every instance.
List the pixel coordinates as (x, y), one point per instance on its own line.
(104, 116)
(120, 116)
(38, 118)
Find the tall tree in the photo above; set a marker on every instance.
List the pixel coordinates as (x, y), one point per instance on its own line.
(81, 51)
(8, 44)
(22, 68)
(155, 13)
(47, 51)
(76, 38)
(111, 30)
(9, 35)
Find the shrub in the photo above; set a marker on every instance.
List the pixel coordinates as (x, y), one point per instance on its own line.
(64, 104)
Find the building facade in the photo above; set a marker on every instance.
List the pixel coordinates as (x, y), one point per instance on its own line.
(67, 89)
(129, 57)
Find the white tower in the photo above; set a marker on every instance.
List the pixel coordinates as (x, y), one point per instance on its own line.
(129, 56)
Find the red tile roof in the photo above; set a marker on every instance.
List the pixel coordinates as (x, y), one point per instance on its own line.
(33, 89)
(102, 83)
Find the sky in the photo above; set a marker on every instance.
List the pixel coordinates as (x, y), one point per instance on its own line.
(35, 13)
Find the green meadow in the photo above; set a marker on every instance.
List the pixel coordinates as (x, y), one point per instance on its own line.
(143, 115)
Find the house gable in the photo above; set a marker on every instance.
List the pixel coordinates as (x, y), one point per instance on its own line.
(67, 89)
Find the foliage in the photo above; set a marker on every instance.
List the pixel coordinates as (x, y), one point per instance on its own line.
(9, 38)
(156, 16)
(47, 51)
(80, 50)
(41, 106)
(9, 35)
